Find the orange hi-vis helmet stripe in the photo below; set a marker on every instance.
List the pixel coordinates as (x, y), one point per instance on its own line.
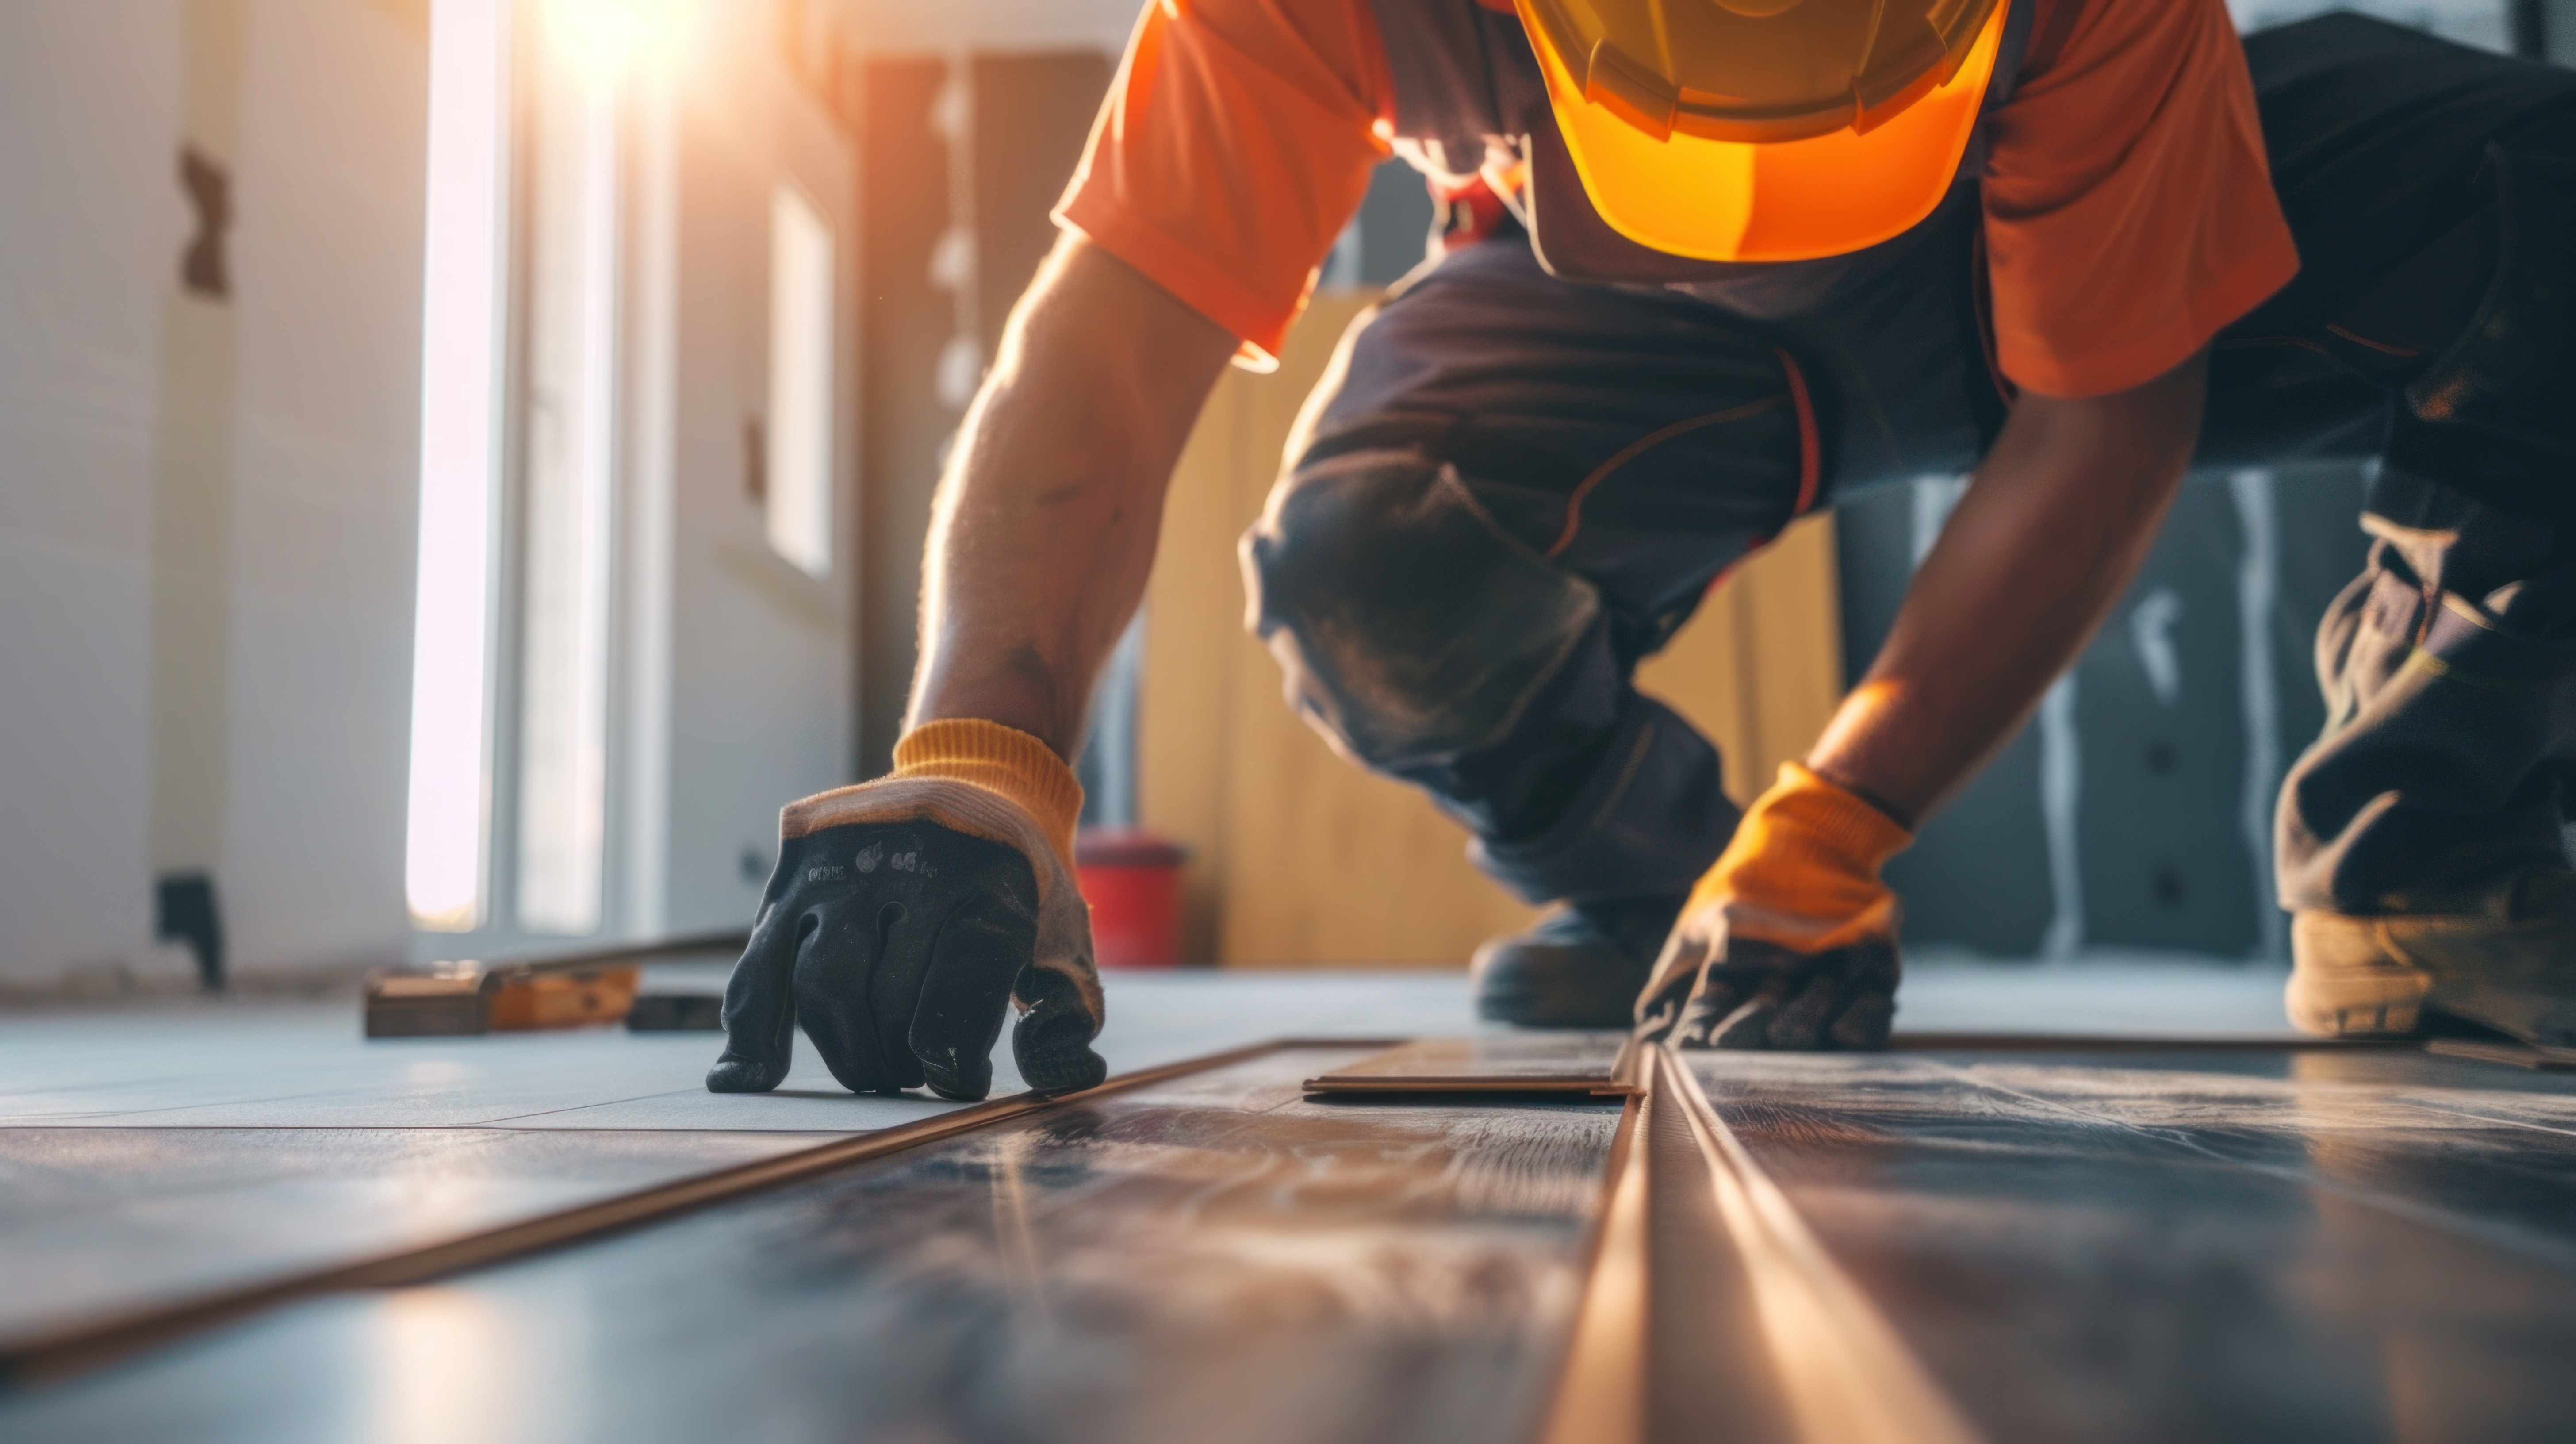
(1717, 176)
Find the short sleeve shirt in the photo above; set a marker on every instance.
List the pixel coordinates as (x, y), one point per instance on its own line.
(2129, 212)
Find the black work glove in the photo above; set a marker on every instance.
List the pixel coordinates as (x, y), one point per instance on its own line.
(904, 917)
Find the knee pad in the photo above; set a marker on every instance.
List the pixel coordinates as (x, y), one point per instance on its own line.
(1411, 627)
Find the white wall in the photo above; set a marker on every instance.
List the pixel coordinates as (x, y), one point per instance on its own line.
(89, 236)
(327, 275)
(318, 482)
(313, 566)
(314, 560)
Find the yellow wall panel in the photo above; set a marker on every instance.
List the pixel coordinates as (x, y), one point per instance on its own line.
(1759, 669)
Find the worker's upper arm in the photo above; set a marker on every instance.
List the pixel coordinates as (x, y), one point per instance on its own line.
(1235, 144)
(2129, 206)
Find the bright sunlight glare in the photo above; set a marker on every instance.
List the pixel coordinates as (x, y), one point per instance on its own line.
(461, 297)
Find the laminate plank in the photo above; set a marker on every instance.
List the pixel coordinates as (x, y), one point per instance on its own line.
(1208, 1258)
(101, 1223)
(1581, 1062)
(2364, 1244)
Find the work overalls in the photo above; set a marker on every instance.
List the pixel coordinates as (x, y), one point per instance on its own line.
(1535, 456)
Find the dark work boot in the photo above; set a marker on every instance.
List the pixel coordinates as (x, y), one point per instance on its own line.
(1578, 967)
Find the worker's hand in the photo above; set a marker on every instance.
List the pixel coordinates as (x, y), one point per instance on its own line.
(1789, 941)
(908, 913)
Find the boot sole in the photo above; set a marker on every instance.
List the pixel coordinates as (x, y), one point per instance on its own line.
(2349, 983)
(2364, 977)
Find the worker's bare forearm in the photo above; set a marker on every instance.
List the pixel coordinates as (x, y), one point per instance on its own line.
(1044, 527)
(2056, 522)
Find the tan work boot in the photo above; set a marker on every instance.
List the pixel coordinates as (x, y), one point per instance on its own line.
(2510, 966)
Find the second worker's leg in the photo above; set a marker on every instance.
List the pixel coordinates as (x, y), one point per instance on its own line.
(2421, 839)
(2422, 843)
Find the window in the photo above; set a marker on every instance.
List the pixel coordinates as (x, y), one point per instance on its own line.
(543, 669)
(799, 501)
(461, 321)
(571, 427)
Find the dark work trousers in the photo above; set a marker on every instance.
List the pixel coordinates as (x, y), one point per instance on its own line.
(1512, 487)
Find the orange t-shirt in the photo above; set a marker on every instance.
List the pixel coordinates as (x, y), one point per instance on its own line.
(2129, 213)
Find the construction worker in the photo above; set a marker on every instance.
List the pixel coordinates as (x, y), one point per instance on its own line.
(1705, 266)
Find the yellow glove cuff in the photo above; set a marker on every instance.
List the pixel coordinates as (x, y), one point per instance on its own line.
(1001, 760)
(1803, 868)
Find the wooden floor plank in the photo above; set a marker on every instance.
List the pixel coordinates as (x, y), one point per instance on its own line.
(2254, 1244)
(99, 1223)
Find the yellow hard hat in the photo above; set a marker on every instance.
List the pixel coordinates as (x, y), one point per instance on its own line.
(1764, 130)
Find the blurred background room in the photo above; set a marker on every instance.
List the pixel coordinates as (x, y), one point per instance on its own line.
(467, 464)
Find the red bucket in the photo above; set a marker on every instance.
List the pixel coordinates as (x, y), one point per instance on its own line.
(1132, 879)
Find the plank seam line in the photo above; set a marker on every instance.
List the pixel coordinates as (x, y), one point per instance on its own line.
(583, 1107)
(1600, 1392)
(1847, 1376)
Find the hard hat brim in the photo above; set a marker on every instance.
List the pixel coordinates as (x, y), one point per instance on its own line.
(1795, 200)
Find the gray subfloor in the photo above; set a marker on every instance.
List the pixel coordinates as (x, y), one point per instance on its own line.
(259, 1064)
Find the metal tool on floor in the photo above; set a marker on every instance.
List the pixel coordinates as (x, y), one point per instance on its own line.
(462, 997)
